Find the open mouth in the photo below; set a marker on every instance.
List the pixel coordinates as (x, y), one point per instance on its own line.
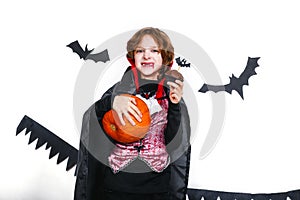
(147, 64)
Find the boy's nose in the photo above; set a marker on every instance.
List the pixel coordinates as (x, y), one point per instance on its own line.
(147, 54)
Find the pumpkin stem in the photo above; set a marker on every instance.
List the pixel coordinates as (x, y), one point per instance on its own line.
(113, 127)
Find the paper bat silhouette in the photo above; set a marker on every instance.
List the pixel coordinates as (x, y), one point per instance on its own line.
(182, 63)
(86, 53)
(58, 146)
(235, 83)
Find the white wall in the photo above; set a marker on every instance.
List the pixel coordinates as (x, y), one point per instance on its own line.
(258, 149)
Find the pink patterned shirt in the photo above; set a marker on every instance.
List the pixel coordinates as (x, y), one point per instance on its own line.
(151, 149)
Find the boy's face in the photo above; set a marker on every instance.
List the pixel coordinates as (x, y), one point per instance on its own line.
(148, 58)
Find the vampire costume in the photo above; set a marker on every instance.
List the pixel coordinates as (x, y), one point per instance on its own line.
(106, 167)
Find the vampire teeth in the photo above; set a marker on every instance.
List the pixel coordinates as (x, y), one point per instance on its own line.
(148, 64)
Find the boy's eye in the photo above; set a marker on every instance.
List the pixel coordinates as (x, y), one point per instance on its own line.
(139, 51)
(155, 51)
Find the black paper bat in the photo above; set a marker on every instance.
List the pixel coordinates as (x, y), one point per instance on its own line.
(58, 146)
(235, 83)
(86, 53)
(182, 63)
(66, 150)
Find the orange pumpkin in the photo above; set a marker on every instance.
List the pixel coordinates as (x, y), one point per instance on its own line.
(128, 133)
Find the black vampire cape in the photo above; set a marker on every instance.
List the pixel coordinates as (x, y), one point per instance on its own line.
(95, 146)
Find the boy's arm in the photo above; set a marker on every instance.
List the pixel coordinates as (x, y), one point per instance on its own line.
(174, 118)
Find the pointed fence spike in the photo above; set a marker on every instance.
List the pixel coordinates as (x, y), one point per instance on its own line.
(40, 143)
(32, 137)
(53, 152)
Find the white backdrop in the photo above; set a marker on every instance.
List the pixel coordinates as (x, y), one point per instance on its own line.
(259, 147)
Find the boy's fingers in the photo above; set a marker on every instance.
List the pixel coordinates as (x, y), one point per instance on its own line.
(126, 114)
(136, 110)
(121, 118)
(135, 114)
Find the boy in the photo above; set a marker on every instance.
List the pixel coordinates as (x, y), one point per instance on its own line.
(156, 167)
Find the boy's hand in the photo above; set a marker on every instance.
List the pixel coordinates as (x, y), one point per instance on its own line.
(125, 105)
(176, 91)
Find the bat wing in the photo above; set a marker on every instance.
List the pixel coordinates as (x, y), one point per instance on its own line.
(58, 146)
(235, 83)
(238, 83)
(215, 88)
(86, 53)
(102, 56)
(75, 46)
(182, 63)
